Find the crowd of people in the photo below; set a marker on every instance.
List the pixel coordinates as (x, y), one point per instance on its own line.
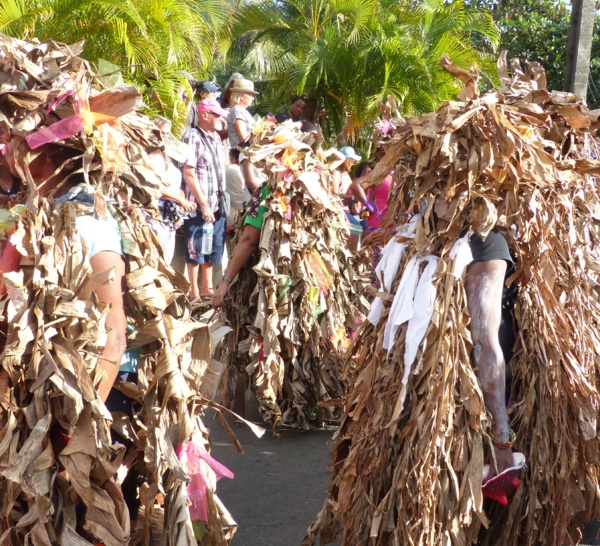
(216, 171)
(219, 128)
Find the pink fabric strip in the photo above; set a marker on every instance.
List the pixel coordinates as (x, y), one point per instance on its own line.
(65, 128)
(197, 487)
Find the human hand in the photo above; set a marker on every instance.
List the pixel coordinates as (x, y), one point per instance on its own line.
(187, 206)
(220, 293)
(207, 213)
(371, 207)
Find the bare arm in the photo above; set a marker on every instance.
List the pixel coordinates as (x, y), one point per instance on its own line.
(190, 178)
(335, 182)
(240, 129)
(248, 171)
(116, 320)
(178, 198)
(357, 190)
(243, 250)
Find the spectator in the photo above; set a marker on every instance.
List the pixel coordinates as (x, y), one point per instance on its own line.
(226, 95)
(172, 196)
(295, 112)
(204, 174)
(313, 115)
(340, 185)
(235, 186)
(202, 91)
(375, 201)
(240, 123)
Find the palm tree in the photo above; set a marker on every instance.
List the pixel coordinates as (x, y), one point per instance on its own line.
(352, 54)
(156, 43)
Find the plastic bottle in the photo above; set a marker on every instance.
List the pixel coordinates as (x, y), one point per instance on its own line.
(207, 238)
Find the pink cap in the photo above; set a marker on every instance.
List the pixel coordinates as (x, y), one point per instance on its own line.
(211, 105)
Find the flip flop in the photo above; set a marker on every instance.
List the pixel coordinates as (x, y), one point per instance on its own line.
(498, 487)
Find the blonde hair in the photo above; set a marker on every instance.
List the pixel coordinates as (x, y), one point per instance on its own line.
(236, 96)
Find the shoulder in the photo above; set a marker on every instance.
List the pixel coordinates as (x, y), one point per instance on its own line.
(191, 135)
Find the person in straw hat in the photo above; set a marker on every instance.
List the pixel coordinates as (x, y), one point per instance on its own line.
(240, 123)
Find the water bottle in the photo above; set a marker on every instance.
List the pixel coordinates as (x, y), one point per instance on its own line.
(207, 238)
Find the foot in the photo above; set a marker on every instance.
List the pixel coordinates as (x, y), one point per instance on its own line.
(501, 485)
(506, 459)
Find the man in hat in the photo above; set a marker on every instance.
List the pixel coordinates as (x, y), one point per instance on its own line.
(202, 90)
(204, 174)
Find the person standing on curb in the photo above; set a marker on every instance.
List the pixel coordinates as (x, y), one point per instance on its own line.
(204, 176)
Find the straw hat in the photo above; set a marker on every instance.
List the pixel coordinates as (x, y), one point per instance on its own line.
(243, 86)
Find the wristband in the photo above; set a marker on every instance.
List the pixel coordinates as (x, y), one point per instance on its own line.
(512, 438)
(226, 278)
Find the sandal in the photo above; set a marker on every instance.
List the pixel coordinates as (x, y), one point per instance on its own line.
(498, 487)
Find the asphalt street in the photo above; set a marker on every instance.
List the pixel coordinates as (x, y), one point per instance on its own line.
(279, 485)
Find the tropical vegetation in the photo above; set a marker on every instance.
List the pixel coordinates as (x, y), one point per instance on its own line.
(353, 54)
(157, 44)
(538, 30)
(348, 54)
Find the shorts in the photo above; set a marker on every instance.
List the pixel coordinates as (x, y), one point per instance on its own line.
(99, 234)
(192, 230)
(355, 225)
(494, 247)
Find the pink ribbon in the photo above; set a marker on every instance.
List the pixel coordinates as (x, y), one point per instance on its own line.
(63, 129)
(196, 489)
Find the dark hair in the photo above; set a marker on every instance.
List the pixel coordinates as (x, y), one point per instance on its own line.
(234, 155)
(361, 167)
(296, 98)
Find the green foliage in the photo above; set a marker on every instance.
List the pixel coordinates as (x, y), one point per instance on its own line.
(157, 43)
(352, 54)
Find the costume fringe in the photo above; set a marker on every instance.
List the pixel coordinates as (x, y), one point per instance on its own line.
(407, 466)
(294, 308)
(53, 328)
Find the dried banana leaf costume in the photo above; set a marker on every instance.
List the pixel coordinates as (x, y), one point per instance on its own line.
(53, 327)
(293, 308)
(407, 468)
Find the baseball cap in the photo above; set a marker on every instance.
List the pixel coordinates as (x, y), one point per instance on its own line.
(348, 151)
(211, 105)
(205, 86)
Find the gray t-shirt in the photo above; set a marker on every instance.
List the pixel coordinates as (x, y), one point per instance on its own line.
(235, 113)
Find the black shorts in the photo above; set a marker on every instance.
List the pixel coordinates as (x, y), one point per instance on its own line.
(494, 247)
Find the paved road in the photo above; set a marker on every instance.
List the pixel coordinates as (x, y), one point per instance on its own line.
(279, 485)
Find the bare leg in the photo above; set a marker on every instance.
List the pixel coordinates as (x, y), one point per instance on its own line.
(206, 288)
(484, 297)
(193, 275)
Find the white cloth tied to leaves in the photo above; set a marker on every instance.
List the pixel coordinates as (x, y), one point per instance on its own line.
(414, 300)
